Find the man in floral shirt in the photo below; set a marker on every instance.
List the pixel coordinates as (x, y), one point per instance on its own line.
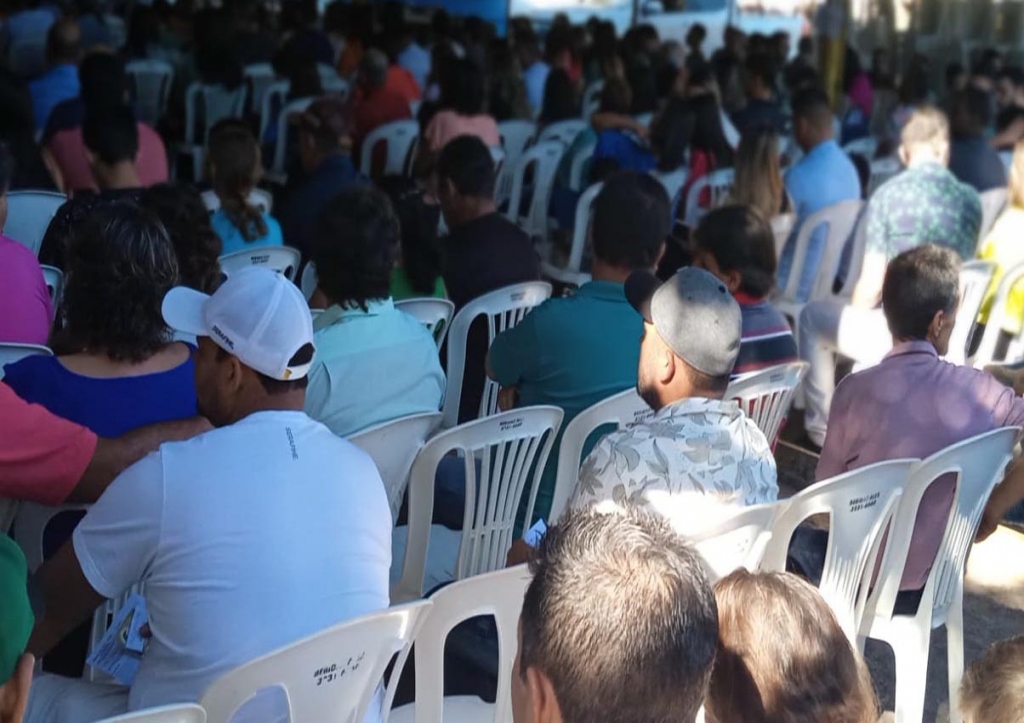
(698, 455)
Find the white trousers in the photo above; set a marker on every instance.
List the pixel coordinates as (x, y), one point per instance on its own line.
(56, 699)
(827, 328)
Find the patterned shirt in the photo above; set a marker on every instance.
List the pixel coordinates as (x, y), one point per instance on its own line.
(691, 461)
(924, 204)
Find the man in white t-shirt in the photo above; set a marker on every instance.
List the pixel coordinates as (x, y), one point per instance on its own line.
(247, 538)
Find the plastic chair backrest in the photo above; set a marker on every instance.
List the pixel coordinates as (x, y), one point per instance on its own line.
(782, 227)
(29, 214)
(591, 100)
(978, 463)
(571, 273)
(260, 77)
(274, 96)
(866, 147)
(184, 713)
(840, 218)
(732, 135)
(500, 173)
(504, 308)
(503, 457)
(54, 280)
(393, 446)
(720, 182)
(673, 181)
(544, 159)
(330, 676)
(498, 594)
(1007, 158)
(736, 541)
(860, 504)
(858, 245)
(282, 259)
(644, 119)
(765, 396)
(882, 169)
(579, 165)
(993, 329)
(516, 136)
(11, 352)
(992, 204)
(281, 147)
(257, 197)
(398, 138)
(435, 314)
(152, 81)
(622, 410)
(564, 132)
(218, 103)
(975, 279)
(330, 82)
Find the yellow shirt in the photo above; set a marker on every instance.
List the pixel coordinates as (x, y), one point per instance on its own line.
(1005, 246)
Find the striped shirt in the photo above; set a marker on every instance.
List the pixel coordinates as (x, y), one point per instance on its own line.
(767, 339)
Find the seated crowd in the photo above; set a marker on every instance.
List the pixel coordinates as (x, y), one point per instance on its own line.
(200, 413)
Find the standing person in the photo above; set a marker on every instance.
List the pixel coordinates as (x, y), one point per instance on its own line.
(220, 577)
(60, 82)
(235, 169)
(972, 159)
(824, 176)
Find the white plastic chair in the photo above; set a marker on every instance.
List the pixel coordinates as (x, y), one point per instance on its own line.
(732, 135)
(975, 278)
(765, 396)
(782, 227)
(866, 147)
(564, 132)
(644, 119)
(185, 713)
(673, 181)
(840, 219)
(435, 314)
(579, 165)
(498, 159)
(1007, 158)
(979, 464)
(737, 541)
(720, 182)
(283, 259)
(504, 308)
(544, 159)
(571, 273)
(516, 137)
(858, 245)
(860, 505)
(591, 99)
(216, 103)
(330, 82)
(54, 280)
(259, 77)
(398, 138)
(308, 280)
(275, 96)
(882, 169)
(622, 410)
(257, 197)
(11, 352)
(498, 594)
(29, 214)
(331, 676)
(987, 349)
(278, 172)
(503, 459)
(992, 204)
(152, 81)
(393, 446)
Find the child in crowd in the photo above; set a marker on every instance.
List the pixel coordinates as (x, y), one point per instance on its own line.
(993, 686)
(235, 167)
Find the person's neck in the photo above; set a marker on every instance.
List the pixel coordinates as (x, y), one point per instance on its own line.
(282, 402)
(119, 176)
(603, 271)
(909, 340)
(474, 208)
(761, 94)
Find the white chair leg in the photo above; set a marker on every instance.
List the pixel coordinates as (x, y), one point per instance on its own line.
(910, 648)
(955, 654)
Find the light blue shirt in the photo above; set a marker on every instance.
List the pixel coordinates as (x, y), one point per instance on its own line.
(60, 83)
(536, 77)
(232, 240)
(823, 177)
(371, 367)
(416, 60)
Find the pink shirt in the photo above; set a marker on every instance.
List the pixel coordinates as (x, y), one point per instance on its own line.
(69, 152)
(930, 404)
(25, 308)
(448, 124)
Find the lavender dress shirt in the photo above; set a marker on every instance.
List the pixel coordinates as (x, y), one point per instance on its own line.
(914, 404)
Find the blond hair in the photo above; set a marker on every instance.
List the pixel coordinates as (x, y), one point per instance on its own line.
(993, 686)
(1016, 186)
(927, 126)
(758, 173)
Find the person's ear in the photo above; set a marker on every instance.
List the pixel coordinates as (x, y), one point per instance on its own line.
(733, 281)
(543, 703)
(666, 370)
(904, 154)
(14, 693)
(659, 256)
(937, 325)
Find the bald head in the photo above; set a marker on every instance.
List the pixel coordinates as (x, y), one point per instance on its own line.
(64, 43)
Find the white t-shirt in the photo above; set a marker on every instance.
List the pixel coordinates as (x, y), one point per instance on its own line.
(248, 538)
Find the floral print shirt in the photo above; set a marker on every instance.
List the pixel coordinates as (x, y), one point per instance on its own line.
(691, 461)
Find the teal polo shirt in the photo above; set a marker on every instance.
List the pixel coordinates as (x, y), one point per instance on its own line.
(571, 352)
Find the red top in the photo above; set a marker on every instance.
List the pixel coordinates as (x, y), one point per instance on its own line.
(68, 151)
(42, 457)
(403, 82)
(369, 113)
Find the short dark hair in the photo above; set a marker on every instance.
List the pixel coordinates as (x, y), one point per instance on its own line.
(917, 284)
(120, 266)
(740, 239)
(705, 384)
(970, 111)
(616, 96)
(953, 70)
(355, 246)
(181, 210)
(64, 42)
(111, 134)
(805, 45)
(619, 597)
(467, 163)
(421, 250)
(1012, 73)
(278, 386)
(631, 220)
(6, 168)
(813, 105)
(463, 87)
(104, 83)
(761, 65)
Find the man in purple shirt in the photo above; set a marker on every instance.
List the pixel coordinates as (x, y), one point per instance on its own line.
(932, 403)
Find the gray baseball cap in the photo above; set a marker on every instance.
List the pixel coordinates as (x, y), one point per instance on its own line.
(694, 313)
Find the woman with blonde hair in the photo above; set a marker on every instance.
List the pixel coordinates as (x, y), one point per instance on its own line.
(1004, 244)
(783, 657)
(758, 174)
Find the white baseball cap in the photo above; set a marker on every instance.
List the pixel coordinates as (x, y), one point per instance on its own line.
(257, 315)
